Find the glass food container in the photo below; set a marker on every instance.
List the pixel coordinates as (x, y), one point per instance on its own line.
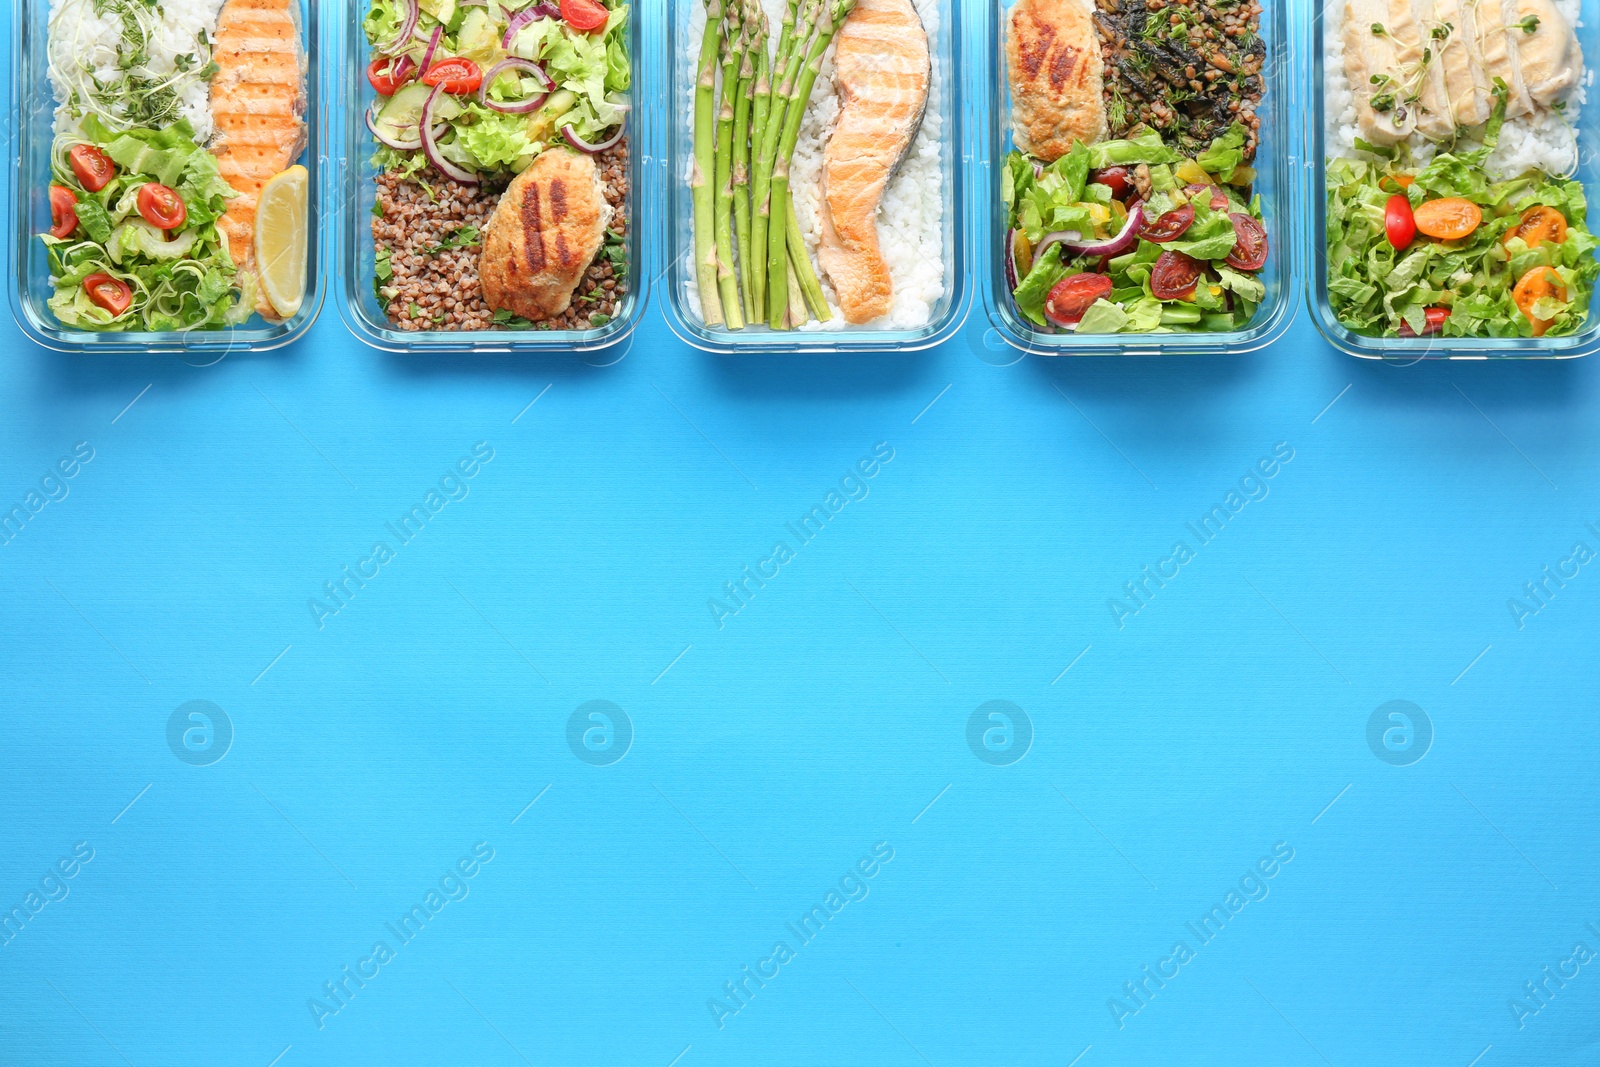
(1279, 183)
(1411, 350)
(944, 121)
(32, 118)
(355, 191)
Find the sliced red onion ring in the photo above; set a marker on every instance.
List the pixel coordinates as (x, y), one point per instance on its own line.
(407, 27)
(1074, 244)
(518, 21)
(395, 142)
(551, 11)
(592, 149)
(431, 149)
(1014, 276)
(516, 107)
(427, 57)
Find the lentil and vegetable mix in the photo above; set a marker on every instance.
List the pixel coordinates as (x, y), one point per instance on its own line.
(1189, 69)
(428, 231)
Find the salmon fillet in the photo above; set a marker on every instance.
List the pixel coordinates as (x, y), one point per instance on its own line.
(1057, 70)
(258, 106)
(544, 233)
(883, 70)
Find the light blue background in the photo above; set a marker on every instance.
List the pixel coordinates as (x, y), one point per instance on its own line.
(773, 753)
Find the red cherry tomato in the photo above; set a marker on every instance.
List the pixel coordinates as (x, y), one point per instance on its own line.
(1219, 199)
(1250, 248)
(92, 166)
(1175, 276)
(1399, 222)
(387, 75)
(108, 292)
(63, 211)
(457, 74)
(584, 15)
(1169, 227)
(1118, 179)
(161, 207)
(1072, 297)
(1436, 317)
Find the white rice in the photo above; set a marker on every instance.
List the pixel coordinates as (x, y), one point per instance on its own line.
(1546, 141)
(911, 216)
(81, 38)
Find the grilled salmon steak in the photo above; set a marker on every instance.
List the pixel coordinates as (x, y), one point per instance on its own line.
(882, 71)
(258, 106)
(1057, 77)
(545, 231)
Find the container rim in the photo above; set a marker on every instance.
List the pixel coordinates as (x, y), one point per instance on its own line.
(44, 329)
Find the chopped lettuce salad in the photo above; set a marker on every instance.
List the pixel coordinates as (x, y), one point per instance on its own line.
(568, 80)
(112, 267)
(1442, 249)
(1129, 236)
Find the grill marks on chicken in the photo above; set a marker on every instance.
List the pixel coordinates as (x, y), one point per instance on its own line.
(1057, 77)
(1430, 66)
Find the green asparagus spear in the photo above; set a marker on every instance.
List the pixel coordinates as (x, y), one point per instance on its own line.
(800, 262)
(704, 193)
(785, 70)
(828, 22)
(754, 57)
(735, 40)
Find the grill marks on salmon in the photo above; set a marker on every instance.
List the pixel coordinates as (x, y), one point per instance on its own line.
(1057, 77)
(1429, 66)
(883, 70)
(258, 107)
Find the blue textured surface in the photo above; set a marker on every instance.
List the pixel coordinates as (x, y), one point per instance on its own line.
(772, 754)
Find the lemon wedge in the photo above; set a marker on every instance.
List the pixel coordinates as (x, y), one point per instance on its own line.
(281, 228)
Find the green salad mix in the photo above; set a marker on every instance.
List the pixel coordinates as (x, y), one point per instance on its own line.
(1130, 236)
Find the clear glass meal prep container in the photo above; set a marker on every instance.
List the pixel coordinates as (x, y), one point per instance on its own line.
(354, 188)
(674, 258)
(1279, 182)
(1433, 347)
(33, 111)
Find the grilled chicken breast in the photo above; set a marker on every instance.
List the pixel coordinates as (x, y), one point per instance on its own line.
(1369, 54)
(258, 106)
(882, 70)
(545, 231)
(1467, 84)
(1549, 59)
(1057, 77)
(1429, 66)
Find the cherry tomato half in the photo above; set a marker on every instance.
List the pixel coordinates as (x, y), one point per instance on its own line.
(1538, 282)
(1169, 227)
(1118, 179)
(1399, 223)
(457, 74)
(387, 75)
(1449, 219)
(1538, 225)
(63, 211)
(1250, 248)
(584, 15)
(1175, 276)
(161, 207)
(109, 293)
(1072, 297)
(1435, 324)
(92, 166)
